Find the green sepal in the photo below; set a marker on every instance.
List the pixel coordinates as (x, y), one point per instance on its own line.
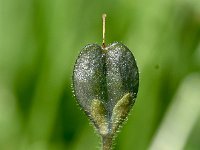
(120, 111)
(98, 115)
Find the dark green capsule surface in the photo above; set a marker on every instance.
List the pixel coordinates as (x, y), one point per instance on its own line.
(107, 75)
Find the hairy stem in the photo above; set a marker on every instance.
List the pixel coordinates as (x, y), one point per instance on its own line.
(107, 142)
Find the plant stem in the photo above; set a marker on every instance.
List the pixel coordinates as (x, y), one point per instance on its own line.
(107, 142)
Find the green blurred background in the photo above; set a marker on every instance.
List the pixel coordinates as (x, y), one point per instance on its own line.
(39, 43)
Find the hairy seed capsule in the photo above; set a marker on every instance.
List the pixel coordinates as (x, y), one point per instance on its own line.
(105, 82)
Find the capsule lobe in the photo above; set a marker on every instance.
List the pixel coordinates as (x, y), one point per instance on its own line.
(89, 76)
(122, 73)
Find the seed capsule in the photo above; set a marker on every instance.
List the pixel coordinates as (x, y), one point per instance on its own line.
(105, 82)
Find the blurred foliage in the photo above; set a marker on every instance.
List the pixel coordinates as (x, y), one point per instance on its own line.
(39, 42)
